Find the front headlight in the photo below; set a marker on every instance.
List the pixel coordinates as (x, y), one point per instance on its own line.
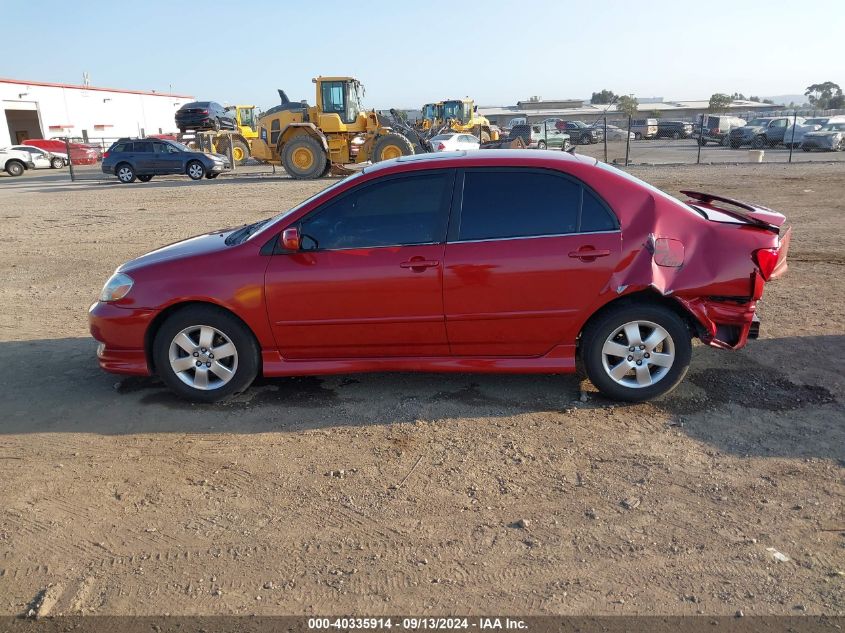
(117, 287)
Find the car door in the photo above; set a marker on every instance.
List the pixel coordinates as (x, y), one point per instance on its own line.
(167, 158)
(528, 252)
(143, 158)
(776, 130)
(367, 281)
(39, 156)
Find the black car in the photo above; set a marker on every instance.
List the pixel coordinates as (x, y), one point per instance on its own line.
(204, 115)
(580, 133)
(674, 129)
(141, 158)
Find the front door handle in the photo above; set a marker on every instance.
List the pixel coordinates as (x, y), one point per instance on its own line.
(588, 253)
(419, 264)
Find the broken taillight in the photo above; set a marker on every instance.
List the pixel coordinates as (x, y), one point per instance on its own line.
(766, 260)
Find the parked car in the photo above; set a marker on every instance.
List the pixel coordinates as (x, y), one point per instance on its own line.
(15, 162)
(616, 133)
(454, 141)
(80, 153)
(580, 132)
(831, 137)
(141, 158)
(478, 261)
(536, 137)
(794, 133)
(674, 129)
(717, 129)
(204, 115)
(761, 132)
(42, 159)
(644, 128)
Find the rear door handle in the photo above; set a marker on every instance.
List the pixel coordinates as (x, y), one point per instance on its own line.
(418, 264)
(589, 254)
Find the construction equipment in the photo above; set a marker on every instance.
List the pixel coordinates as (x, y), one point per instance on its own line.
(432, 115)
(234, 144)
(309, 141)
(462, 114)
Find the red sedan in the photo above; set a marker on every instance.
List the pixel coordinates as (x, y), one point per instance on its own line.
(500, 261)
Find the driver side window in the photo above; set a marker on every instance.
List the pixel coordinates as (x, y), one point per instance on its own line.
(396, 212)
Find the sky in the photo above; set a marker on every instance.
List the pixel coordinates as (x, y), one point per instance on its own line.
(408, 53)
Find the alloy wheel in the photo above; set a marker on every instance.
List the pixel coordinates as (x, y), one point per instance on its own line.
(638, 354)
(203, 357)
(125, 174)
(195, 171)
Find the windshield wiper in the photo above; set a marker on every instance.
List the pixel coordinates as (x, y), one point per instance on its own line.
(243, 233)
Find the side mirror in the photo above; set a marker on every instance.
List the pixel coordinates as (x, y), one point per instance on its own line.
(290, 239)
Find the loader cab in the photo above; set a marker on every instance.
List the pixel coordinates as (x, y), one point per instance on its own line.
(339, 104)
(432, 113)
(458, 110)
(246, 118)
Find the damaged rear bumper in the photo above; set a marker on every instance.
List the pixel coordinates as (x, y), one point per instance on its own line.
(724, 323)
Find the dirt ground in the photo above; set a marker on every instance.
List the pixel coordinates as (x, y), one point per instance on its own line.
(388, 494)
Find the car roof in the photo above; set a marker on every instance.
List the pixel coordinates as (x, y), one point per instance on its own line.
(481, 158)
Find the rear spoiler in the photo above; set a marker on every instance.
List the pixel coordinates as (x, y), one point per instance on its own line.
(756, 214)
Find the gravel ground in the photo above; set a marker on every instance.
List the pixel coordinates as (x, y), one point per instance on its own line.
(386, 494)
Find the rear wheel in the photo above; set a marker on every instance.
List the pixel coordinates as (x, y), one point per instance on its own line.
(145, 178)
(57, 163)
(735, 144)
(303, 157)
(125, 173)
(206, 354)
(541, 145)
(391, 145)
(195, 170)
(636, 352)
(14, 168)
(758, 142)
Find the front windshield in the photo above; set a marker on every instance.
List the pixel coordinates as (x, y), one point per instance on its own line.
(430, 111)
(354, 92)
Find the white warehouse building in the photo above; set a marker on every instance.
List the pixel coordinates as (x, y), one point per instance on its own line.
(37, 109)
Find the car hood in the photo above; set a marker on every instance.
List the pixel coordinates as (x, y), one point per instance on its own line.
(191, 247)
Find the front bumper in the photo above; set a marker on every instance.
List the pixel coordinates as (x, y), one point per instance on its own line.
(121, 333)
(811, 142)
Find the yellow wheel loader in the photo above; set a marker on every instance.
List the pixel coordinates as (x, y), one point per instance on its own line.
(308, 141)
(462, 116)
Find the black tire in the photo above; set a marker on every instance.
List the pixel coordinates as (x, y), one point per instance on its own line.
(599, 330)
(541, 144)
(212, 175)
(248, 352)
(758, 142)
(586, 139)
(676, 135)
(195, 170)
(216, 125)
(702, 142)
(15, 168)
(57, 163)
(806, 149)
(391, 145)
(125, 173)
(146, 178)
(294, 157)
(725, 142)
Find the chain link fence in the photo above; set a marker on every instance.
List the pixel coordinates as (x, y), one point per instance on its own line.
(732, 137)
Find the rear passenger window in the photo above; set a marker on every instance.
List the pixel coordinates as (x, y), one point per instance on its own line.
(122, 147)
(594, 215)
(143, 147)
(503, 204)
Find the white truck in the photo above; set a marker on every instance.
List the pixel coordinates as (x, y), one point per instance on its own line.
(14, 162)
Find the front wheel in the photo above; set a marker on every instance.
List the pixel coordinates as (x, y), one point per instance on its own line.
(636, 352)
(205, 354)
(195, 170)
(541, 145)
(758, 142)
(586, 139)
(702, 142)
(57, 163)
